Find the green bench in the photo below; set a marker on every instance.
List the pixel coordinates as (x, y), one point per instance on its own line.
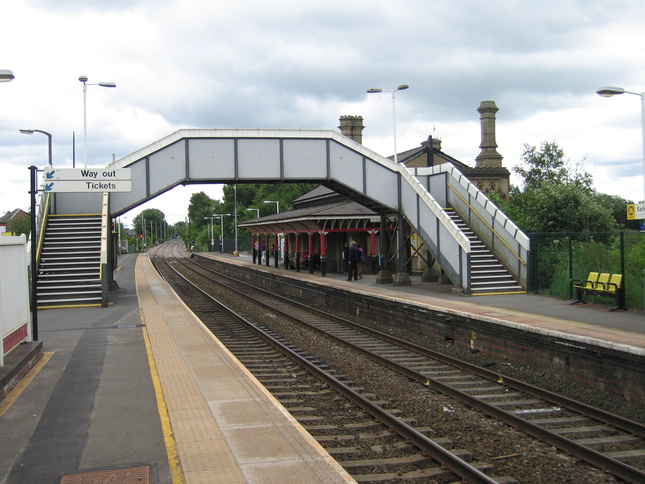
(601, 284)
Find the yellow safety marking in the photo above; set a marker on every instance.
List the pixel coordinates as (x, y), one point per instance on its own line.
(20, 387)
(168, 436)
(71, 306)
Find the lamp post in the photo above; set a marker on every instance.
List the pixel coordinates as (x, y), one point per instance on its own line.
(277, 211)
(211, 234)
(83, 79)
(6, 75)
(221, 228)
(256, 210)
(402, 87)
(277, 205)
(49, 139)
(609, 91)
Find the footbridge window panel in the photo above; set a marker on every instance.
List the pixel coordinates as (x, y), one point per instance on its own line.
(167, 167)
(346, 166)
(381, 184)
(211, 158)
(120, 200)
(305, 159)
(410, 203)
(258, 158)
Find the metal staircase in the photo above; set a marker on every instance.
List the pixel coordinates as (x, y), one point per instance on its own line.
(488, 275)
(69, 273)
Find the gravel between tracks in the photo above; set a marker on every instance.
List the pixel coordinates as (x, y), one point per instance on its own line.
(511, 452)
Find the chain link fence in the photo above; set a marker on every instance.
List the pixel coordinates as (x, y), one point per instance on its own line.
(558, 257)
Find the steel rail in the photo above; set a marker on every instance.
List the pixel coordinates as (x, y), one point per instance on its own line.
(598, 459)
(446, 458)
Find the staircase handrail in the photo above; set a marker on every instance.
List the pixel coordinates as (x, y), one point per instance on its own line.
(43, 217)
(493, 231)
(481, 214)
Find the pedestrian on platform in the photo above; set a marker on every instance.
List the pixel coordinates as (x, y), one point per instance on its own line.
(346, 259)
(354, 258)
(360, 261)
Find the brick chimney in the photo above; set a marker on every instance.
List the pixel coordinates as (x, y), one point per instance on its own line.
(488, 157)
(352, 127)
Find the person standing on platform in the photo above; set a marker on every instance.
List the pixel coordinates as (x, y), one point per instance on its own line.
(346, 259)
(354, 258)
(360, 261)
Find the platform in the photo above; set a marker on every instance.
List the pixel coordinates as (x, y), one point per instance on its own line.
(141, 388)
(535, 312)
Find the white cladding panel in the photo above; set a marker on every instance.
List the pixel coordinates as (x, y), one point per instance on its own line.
(14, 285)
(211, 158)
(382, 184)
(258, 158)
(167, 166)
(346, 166)
(409, 205)
(305, 158)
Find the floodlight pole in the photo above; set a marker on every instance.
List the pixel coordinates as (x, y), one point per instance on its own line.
(402, 87)
(609, 91)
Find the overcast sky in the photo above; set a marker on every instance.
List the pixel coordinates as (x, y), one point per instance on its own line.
(301, 64)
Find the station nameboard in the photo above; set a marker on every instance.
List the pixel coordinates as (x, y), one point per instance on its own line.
(635, 211)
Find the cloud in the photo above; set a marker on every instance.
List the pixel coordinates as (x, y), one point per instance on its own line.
(303, 64)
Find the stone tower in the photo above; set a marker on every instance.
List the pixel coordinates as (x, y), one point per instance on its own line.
(352, 127)
(488, 157)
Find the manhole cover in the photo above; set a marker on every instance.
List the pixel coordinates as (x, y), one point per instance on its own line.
(123, 475)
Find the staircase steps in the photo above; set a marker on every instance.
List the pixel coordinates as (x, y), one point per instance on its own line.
(487, 274)
(69, 271)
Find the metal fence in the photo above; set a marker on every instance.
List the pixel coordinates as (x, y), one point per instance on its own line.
(558, 257)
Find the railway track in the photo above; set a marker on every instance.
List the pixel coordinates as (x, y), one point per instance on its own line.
(604, 440)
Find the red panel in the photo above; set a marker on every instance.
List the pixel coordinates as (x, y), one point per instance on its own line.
(13, 339)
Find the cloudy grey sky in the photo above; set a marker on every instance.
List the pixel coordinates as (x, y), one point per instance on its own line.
(302, 64)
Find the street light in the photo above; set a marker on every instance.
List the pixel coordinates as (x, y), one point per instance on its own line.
(609, 91)
(277, 205)
(402, 87)
(256, 210)
(83, 79)
(277, 210)
(221, 228)
(212, 234)
(49, 136)
(6, 75)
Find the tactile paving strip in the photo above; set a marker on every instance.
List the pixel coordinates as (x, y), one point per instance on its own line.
(123, 475)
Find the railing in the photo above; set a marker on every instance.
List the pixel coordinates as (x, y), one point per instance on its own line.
(453, 189)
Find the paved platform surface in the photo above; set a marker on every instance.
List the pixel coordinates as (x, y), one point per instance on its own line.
(142, 388)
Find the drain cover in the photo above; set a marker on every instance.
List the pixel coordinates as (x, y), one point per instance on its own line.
(122, 475)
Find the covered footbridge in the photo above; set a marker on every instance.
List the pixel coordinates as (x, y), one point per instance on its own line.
(234, 156)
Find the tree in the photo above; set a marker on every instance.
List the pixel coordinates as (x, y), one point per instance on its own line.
(550, 165)
(155, 222)
(556, 197)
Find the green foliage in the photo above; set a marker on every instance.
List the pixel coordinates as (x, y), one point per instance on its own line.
(243, 197)
(557, 197)
(20, 225)
(561, 257)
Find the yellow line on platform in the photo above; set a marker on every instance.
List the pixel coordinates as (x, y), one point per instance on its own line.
(168, 436)
(20, 387)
